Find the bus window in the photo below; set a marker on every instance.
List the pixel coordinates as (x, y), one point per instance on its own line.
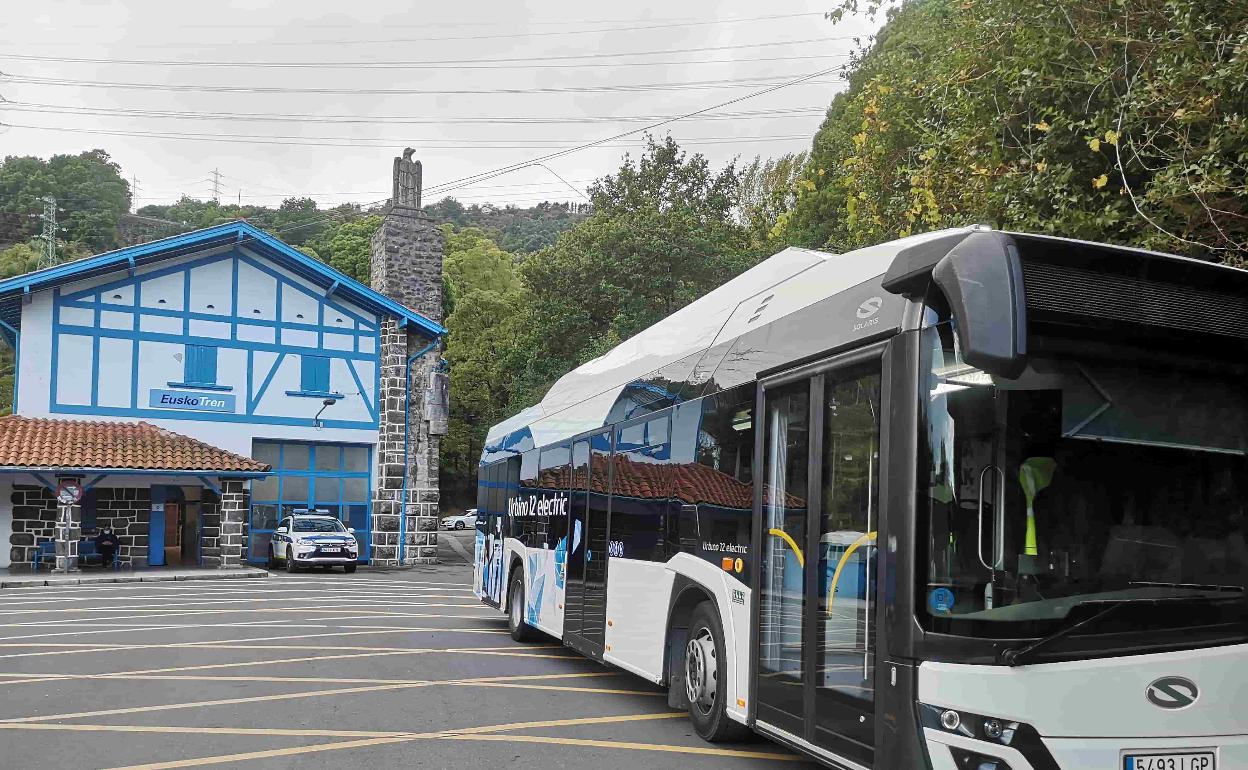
(553, 483)
(639, 490)
(526, 527)
(721, 484)
(1092, 477)
(848, 520)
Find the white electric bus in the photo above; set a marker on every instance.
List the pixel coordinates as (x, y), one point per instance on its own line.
(967, 500)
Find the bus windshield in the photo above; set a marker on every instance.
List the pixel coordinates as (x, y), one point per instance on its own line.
(1089, 479)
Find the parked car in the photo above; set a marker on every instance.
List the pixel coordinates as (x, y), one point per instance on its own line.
(313, 541)
(463, 521)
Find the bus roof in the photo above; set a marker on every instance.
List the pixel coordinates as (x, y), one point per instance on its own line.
(697, 350)
(801, 303)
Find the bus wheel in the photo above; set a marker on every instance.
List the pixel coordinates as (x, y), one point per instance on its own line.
(521, 631)
(706, 679)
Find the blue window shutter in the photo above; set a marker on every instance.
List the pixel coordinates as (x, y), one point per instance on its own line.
(314, 374)
(199, 365)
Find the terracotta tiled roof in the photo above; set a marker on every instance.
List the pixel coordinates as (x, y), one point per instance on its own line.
(27, 442)
(691, 483)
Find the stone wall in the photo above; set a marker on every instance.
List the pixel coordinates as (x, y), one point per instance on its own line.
(406, 261)
(34, 521)
(210, 529)
(127, 510)
(407, 267)
(233, 513)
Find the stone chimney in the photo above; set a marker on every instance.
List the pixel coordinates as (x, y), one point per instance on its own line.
(406, 263)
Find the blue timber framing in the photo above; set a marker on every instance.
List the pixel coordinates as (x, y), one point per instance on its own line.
(92, 302)
(240, 233)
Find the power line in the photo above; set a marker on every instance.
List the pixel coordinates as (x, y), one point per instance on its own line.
(452, 64)
(471, 179)
(186, 88)
(346, 141)
(495, 60)
(663, 24)
(57, 109)
(566, 182)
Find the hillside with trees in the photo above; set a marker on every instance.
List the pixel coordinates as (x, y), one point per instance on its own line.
(1115, 120)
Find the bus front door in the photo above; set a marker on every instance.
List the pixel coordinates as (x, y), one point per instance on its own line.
(585, 597)
(814, 673)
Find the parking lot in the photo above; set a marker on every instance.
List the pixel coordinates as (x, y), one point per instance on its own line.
(377, 669)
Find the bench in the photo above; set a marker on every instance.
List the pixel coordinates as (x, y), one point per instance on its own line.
(86, 548)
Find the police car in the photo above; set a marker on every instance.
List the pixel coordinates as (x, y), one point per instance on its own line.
(312, 540)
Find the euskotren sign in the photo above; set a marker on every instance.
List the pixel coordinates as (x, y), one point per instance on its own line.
(188, 401)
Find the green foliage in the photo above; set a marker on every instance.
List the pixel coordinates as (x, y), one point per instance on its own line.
(515, 229)
(19, 258)
(88, 188)
(15, 260)
(768, 191)
(1113, 120)
(483, 299)
(662, 233)
(346, 247)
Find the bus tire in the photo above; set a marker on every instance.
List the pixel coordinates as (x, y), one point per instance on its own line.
(706, 680)
(521, 631)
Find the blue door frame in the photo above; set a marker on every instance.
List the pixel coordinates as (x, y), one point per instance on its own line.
(311, 475)
(161, 495)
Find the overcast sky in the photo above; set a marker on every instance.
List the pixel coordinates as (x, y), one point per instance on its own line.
(587, 70)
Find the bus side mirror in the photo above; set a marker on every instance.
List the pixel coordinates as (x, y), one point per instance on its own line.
(982, 278)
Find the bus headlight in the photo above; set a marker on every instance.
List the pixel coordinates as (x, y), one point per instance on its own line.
(981, 728)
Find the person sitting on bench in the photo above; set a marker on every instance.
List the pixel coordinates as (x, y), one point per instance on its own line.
(106, 543)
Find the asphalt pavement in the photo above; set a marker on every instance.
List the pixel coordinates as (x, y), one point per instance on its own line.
(377, 669)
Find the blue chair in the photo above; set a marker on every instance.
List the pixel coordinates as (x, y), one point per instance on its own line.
(44, 551)
(89, 548)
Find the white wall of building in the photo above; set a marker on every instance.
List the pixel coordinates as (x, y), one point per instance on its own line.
(262, 323)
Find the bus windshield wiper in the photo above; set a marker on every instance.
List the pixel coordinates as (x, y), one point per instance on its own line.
(1017, 656)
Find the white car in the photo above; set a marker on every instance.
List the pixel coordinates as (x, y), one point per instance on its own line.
(313, 541)
(463, 521)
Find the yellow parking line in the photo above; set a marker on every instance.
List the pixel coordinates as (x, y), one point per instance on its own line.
(296, 750)
(363, 631)
(75, 622)
(705, 750)
(200, 761)
(332, 609)
(557, 687)
(263, 698)
(263, 731)
(294, 679)
(244, 663)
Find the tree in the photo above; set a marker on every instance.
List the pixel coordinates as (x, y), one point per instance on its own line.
(483, 299)
(662, 233)
(89, 190)
(1113, 120)
(768, 191)
(346, 247)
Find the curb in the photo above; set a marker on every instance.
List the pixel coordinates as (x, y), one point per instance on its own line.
(154, 577)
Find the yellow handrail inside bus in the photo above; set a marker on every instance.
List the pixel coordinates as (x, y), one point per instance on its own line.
(780, 533)
(841, 565)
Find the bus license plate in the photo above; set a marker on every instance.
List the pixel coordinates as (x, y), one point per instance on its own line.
(1197, 760)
